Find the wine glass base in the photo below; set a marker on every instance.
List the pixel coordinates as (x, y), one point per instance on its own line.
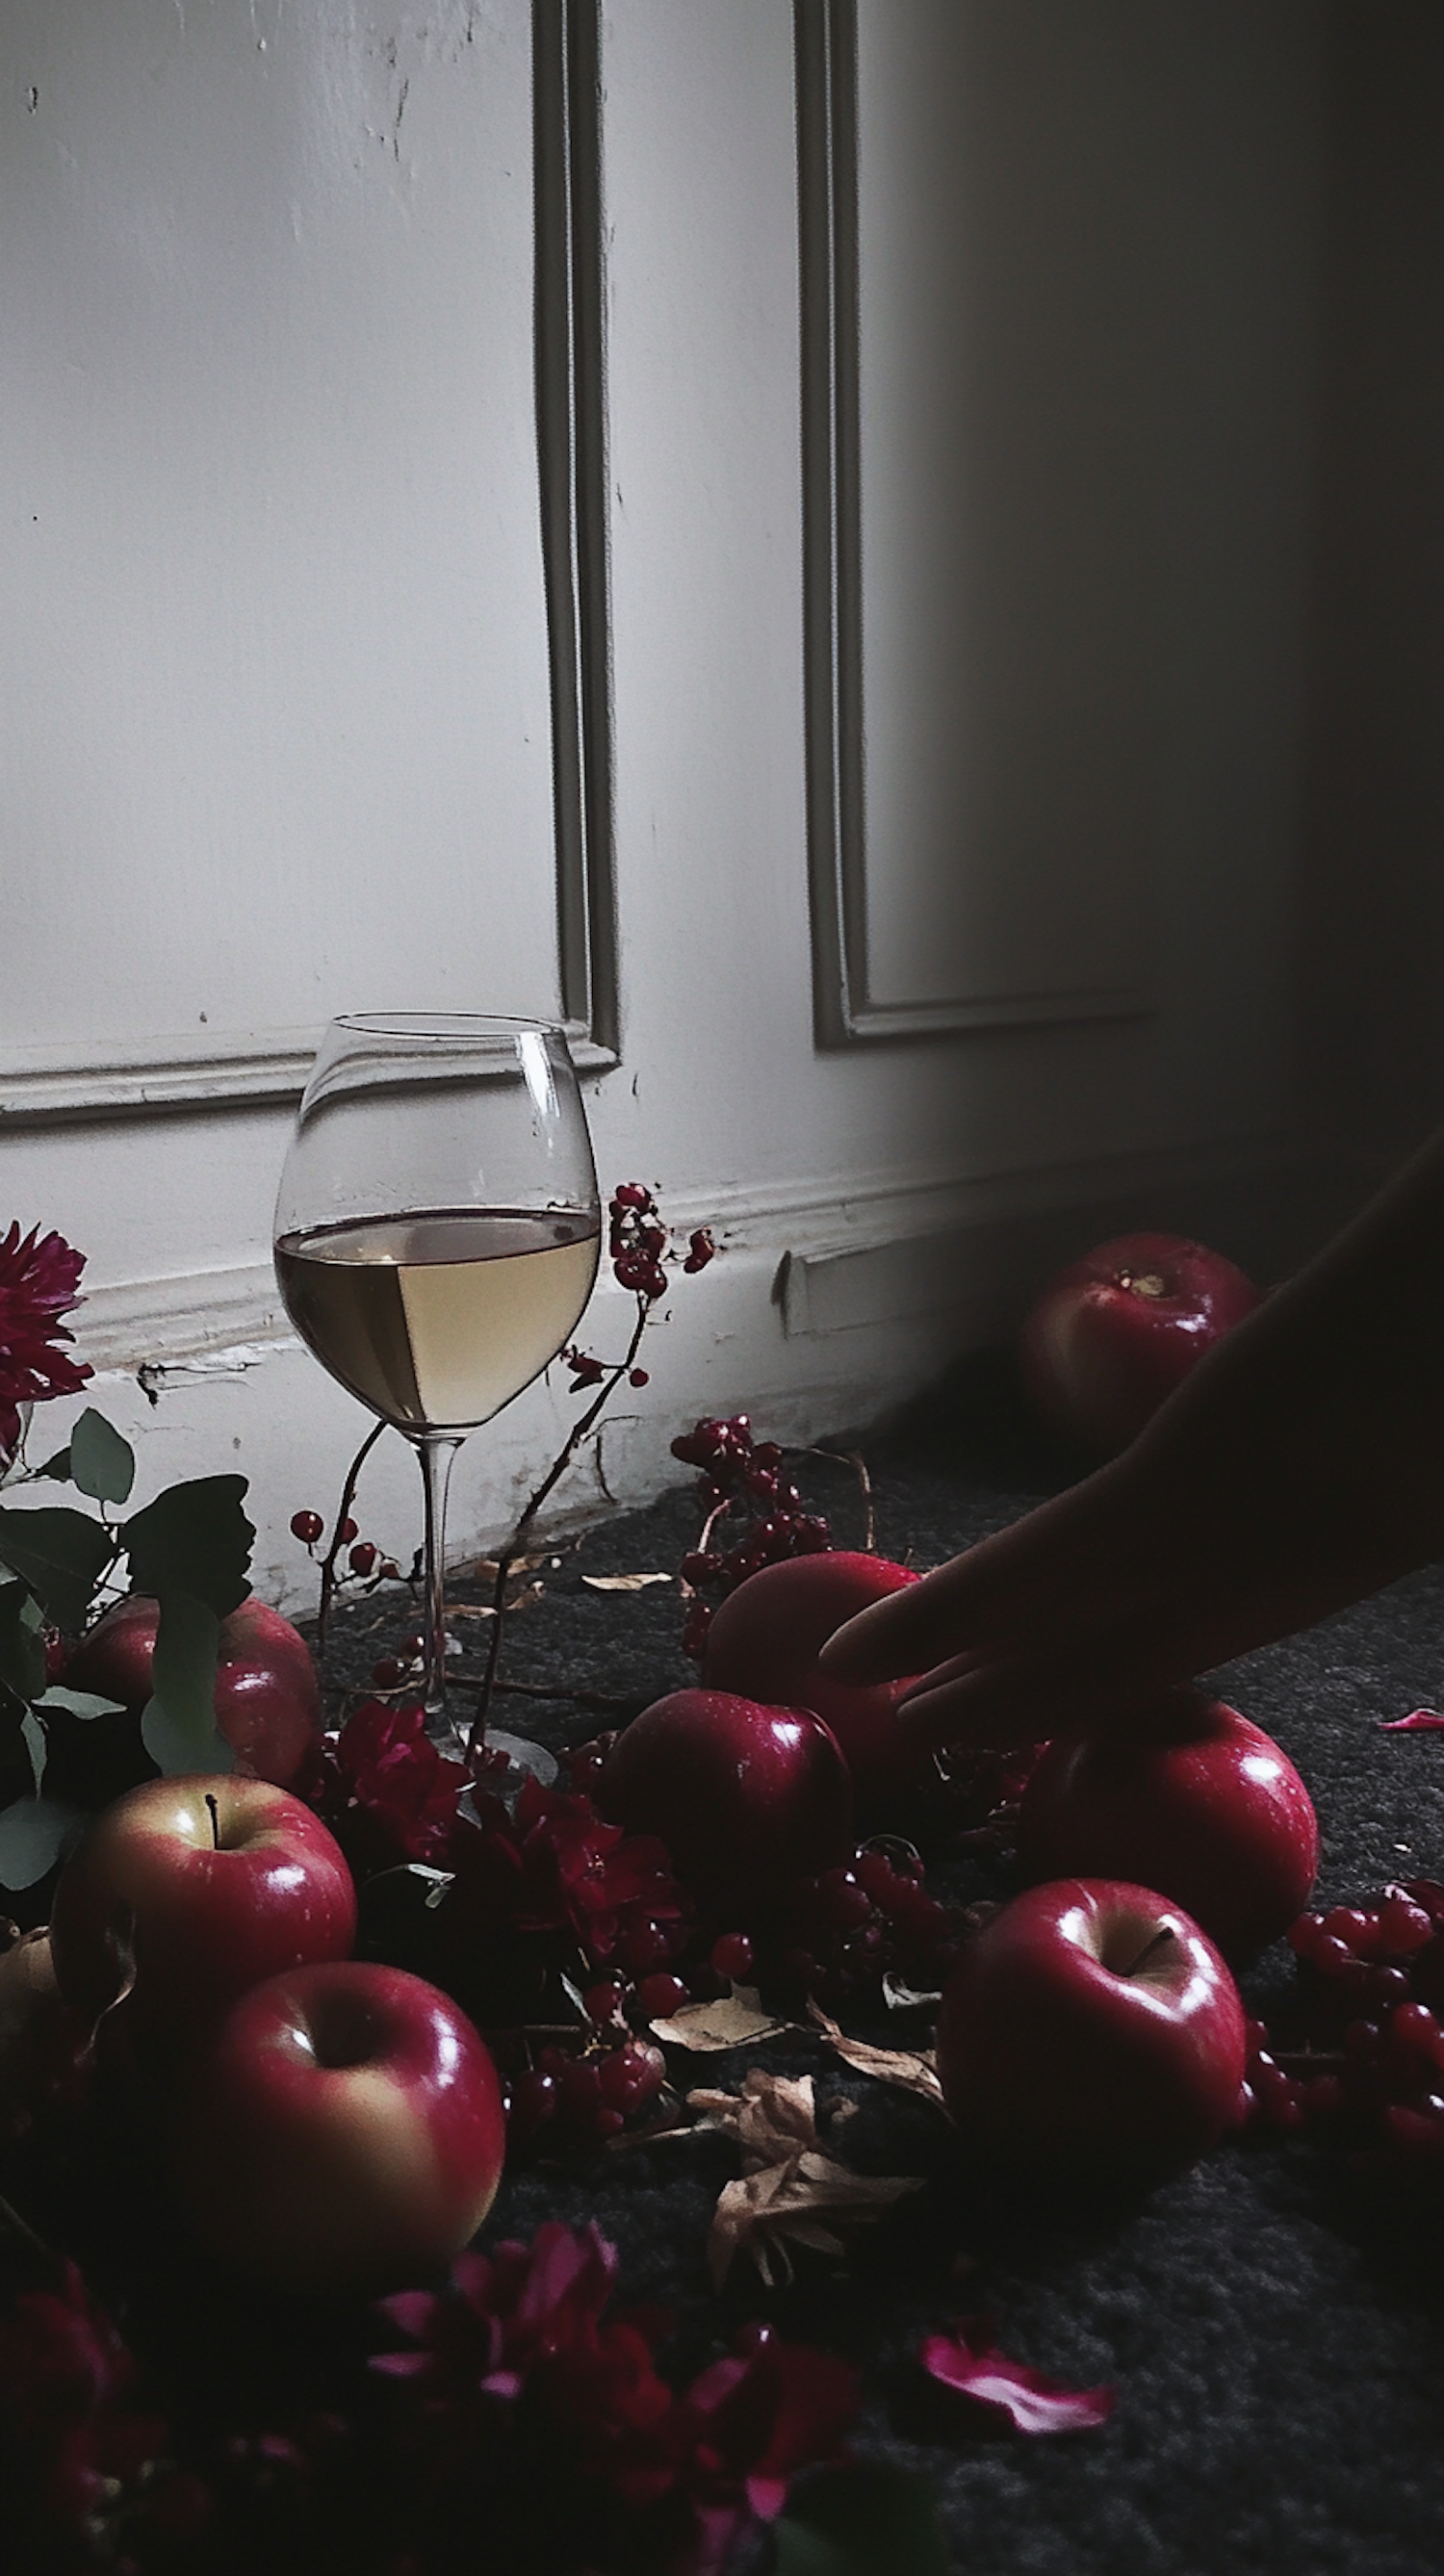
(526, 1761)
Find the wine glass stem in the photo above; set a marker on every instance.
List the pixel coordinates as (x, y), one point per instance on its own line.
(437, 1452)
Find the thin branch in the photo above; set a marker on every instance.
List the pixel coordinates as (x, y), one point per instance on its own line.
(516, 1544)
(854, 1459)
(343, 1513)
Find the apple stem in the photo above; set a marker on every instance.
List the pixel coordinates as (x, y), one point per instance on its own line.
(1154, 1942)
(215, 1821)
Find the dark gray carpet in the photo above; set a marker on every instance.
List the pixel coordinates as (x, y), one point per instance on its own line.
(1275, 2335)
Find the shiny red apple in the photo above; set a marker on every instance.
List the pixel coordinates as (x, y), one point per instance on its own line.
(746, 1798)
(212, 1883)
(1189, 1797)
(1116, 1332)
(343, 2129)
(268, 1695)
(1091, 2032)
(764, 1641)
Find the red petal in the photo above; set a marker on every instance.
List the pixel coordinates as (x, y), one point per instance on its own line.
(1009, 2390)
(1420, 1721)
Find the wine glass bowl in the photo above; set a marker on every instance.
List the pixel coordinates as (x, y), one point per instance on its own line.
(437, 1230)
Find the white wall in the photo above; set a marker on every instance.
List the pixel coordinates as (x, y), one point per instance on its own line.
(274, 705)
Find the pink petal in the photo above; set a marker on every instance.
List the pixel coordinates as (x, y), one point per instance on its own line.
(767, 2496)
(412, 2310)
(401, 2365)
(1022, 2397)
(1420, 1721)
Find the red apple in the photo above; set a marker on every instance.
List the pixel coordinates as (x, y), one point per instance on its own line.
(764, 1642)
(214, 1882)
(1091, 2031)
(746, 1798)
(1114, 1334)
(1188, 1797)
(268, 1696)
(343, 2129)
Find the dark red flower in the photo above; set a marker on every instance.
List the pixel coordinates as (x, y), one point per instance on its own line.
(39, 1277)
(67, 2423)
(588, 1874)
(404, 1785)
(1009, 2391)
(524, 2328)
(765, 2413)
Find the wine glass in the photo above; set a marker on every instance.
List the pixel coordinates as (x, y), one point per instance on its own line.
(437, 1233)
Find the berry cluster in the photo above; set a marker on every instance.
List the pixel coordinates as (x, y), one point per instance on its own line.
(636, 1240)
(871, 1918)
(366, 1564)
(564, 2104)
(1370, 2074)
(738, 1470)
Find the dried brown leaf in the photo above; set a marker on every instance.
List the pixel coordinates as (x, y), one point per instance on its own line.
(914, 2069)
(901, 1998)
(622, 1582)
(773, 2117)
(766, 2212)
(735, 2020)
(789, 2183)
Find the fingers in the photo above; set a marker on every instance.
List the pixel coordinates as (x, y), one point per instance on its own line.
(1066, 1563)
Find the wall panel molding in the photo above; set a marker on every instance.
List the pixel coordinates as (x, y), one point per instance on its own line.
(845, 1007)
(82, 1083)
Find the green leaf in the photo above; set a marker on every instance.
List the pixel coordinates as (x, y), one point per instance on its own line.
(83, 1704)
(863, 2520)
(33, 1833)
(22, 1647)
(37, 1745)
(61, 1555)
(178, 1725)
(58, 1467)
(193, 1538)
(101, 1463)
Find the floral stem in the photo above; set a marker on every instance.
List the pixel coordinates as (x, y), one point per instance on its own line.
(343, 1512)
(515, 1545)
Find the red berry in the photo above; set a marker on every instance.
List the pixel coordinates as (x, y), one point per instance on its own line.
(1347, 1923)
(347, 1532)
(732, 1957)
(307, 1527)
(660, 1995)
(643, 1946)
(386, 1673)
(1404, 1927)
(639, 1377)
(362, 1557)
(535, 2097)
(843, 1902)
(603, 2001)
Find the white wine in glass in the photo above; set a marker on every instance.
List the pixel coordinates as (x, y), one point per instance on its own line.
(437, 1235)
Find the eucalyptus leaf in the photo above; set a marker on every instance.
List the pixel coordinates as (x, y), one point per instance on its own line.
(33, 1834)
(861, 2520)
(193, 1538)
(178, 1725)
(22, 1646)
(102, 1464)
(82, 1704)
(60, 1554)
(37, 1745)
